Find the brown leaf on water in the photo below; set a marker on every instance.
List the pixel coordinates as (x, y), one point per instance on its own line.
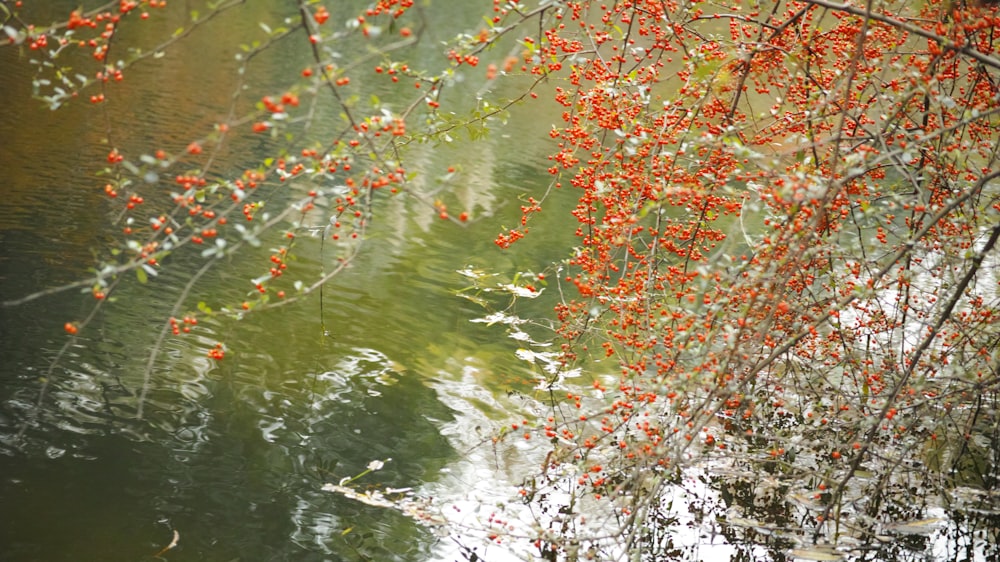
(173, 543)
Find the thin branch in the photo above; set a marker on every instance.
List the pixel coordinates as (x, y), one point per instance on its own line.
(944, 42)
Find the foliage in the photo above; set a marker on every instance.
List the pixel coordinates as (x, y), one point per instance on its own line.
(787, 218)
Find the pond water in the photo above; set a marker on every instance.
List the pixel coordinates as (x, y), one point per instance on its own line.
(233, 454)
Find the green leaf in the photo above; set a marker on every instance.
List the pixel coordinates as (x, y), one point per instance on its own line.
(141, 275)
(204, 307)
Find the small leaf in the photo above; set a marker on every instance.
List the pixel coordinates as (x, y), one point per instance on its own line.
(918, 527)
(815, 553)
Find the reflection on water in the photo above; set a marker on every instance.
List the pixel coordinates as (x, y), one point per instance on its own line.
(232, 454)
(233, 461)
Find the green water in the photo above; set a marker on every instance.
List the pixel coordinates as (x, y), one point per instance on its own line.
(232, 454)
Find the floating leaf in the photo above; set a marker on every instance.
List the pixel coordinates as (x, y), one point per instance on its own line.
(521, 291)
(816, 553)
(916, 527)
